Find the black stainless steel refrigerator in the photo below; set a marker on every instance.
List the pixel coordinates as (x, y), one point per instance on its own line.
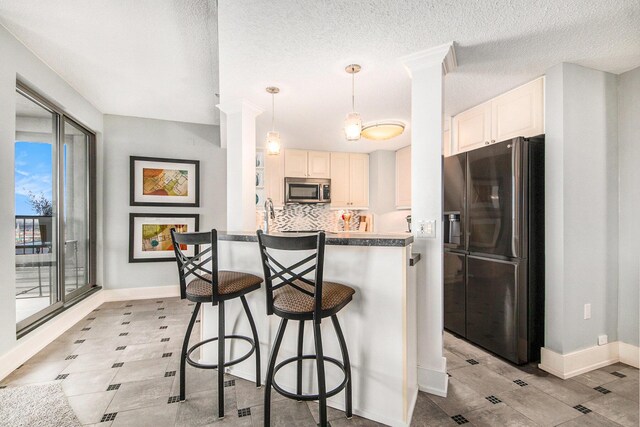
(494, 247)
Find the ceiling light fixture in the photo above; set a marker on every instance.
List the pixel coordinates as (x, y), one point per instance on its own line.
(273, 137)
(382, 130)
(353, 122)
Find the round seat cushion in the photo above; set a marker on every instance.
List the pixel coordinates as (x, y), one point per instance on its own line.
(290, 300)
(229, 282)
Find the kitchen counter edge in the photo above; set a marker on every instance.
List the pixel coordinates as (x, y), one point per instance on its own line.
(333, 239)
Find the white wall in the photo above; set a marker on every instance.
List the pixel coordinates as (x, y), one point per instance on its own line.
(131, 136)
(629, 193)
(581, 211)
(382, 193)
(18, 62)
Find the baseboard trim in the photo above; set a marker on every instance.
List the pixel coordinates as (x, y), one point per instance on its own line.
(629, 354)
(578, 362)
(432, 381)
(127, 294)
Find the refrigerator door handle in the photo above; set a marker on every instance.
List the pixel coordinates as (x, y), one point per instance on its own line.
(515, 196)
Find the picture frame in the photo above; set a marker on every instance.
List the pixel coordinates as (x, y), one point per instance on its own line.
(150, 235)
(155, 181)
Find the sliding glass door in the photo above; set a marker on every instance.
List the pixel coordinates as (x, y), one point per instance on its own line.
(36, 216)
(54, 209)
(75, 174)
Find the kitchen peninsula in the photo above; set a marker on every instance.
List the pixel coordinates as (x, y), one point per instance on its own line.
(379, 324)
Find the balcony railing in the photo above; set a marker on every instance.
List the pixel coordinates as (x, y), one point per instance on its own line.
(33, 235)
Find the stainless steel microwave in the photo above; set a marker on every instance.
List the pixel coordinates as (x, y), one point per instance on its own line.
(307, 190)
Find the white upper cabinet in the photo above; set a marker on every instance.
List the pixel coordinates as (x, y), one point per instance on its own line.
(359, 180)
(472, 128)
(307, 164)
(274, 179)
(339, 179)
(519, 112)
(403, 178)
(350, 180)
(295, 163)
(319, 164)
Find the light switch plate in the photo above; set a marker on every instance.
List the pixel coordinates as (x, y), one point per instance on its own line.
(426, 229)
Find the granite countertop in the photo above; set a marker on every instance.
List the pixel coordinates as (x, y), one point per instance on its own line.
(335, 239)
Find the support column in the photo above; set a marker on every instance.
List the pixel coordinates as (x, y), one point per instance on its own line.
(240, 141)
(427, 69)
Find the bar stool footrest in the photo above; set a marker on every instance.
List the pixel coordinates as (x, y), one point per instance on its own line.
(244, 357)
(308, 397)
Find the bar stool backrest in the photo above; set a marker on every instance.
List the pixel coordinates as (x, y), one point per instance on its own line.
(278, 275)
(196, 265)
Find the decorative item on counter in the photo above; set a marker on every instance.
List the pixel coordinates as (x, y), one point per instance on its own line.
(346, 219)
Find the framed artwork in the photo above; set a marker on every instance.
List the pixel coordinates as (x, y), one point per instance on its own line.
(164, 182)
(150, 235)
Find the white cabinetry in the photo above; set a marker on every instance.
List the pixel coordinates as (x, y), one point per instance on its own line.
(350, 180)
(307, 164)
(403, 178)
(295, 163)
(359, 180)
(274, 179)
(472, 128)
(519, 112)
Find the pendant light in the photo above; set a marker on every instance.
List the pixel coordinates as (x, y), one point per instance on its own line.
(353, 122)
(273, 137)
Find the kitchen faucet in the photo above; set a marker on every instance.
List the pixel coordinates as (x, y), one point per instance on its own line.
(268, 212)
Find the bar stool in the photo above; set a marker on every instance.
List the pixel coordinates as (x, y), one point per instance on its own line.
(292, 296)
(216, 287)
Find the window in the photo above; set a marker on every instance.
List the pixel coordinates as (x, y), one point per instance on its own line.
(54, 209)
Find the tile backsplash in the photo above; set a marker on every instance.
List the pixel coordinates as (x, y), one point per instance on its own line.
(312, 217)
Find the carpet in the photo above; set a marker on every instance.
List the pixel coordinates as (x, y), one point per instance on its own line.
(36, 405)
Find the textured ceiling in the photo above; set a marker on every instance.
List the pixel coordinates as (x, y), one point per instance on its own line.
(145, 58)
(159, 58)
(304, 45)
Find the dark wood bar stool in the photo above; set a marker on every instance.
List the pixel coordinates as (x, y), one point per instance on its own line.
(292, 295)
(216, 287)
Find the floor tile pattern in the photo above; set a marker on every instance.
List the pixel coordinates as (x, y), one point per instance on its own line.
(126, 373)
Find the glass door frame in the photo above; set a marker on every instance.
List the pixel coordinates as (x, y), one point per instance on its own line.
(64, 300)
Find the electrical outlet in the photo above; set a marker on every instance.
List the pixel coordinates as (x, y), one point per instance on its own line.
(603, 339)
(587, 311)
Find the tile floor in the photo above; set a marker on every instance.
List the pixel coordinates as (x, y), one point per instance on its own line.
(119, 367)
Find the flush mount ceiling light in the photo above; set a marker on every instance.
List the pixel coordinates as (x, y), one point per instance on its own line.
(273, 137)
(382, 130)
(353, 122)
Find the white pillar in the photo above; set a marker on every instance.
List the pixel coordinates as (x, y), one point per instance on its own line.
(427, 69)
(240, 141)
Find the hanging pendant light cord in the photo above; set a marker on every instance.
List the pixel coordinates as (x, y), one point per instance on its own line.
(273, 112)
(353, 91)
